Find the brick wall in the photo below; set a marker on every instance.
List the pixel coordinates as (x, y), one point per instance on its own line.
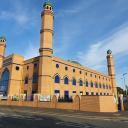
(90, 103)
(98, 104)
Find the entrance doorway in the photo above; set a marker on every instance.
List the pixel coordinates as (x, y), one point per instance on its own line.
(66, 95)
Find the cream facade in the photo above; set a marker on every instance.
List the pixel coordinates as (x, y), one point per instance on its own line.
(47, 75)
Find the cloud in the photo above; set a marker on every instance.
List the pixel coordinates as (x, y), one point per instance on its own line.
(31, 51)
(20, 18)
(117, 41)
(19, 13)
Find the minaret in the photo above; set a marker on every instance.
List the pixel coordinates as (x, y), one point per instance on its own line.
(111, 71)
(46, 50)
(2, 50)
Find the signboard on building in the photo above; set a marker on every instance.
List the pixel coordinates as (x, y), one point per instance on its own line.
(45, 98)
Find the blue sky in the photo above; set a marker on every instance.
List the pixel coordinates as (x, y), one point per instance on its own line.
(83, 30)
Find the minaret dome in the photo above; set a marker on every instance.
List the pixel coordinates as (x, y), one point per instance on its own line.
(48, 6)
(2, 39)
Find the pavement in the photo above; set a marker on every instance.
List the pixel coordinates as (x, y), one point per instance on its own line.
(25, 117)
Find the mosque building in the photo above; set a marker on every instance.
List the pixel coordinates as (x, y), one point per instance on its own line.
(48, 75)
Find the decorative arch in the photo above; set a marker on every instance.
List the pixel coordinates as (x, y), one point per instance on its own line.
(91, 84)
(86, 83)
(96, 84)
(4, 82)
(73, 81)
(26, 80)
(57, 78)
(100, 86)
(81, 82)
(66, 80)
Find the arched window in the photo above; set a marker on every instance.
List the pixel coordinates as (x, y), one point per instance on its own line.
(96, 85)
(91, 84)
(66, 80)
(103, 86)
(81, 83)
(35, 78)
(26, 80)
(86, 83)
(4, 82)
(100, 85)
(74, 81)
(57, 79)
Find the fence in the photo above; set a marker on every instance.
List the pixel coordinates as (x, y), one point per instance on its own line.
(83, 103)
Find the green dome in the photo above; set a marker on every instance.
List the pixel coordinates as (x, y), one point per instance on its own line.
(2, 38)
(109, 52)
(47, 3)
(75, 62)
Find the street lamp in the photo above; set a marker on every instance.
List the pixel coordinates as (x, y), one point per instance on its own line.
(124, 82)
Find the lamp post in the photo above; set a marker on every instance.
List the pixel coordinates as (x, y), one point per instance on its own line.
(124, 82)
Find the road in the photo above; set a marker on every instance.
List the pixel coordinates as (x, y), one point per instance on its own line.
(17, 117)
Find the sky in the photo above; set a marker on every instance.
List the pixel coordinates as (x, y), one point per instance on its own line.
(83, 31)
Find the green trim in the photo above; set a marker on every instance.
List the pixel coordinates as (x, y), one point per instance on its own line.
(2, 37)
(47, 3)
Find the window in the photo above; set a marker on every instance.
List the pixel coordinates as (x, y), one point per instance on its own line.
(92, 93)
(4, 82)
(80, 72)
(86, 73)
(81, 83)
(26, 80)
(35, 78)
(57, 65)
(17, 68)
(106, 86)
(103, 86)
(73, 91)
(57, 91)
(108, 94)
(91, 84)
(90, 75)
(104, 94)
(81, 93)
(86, 83)
(66, 68)
(97, 94)
(96, 85)
(35, 65)
(101, 93)
(95, 76)
(74, 82)
(100, 85)
(73, 70)
(87, 93)
(27, 67)
(66, 80)
(57, 79)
